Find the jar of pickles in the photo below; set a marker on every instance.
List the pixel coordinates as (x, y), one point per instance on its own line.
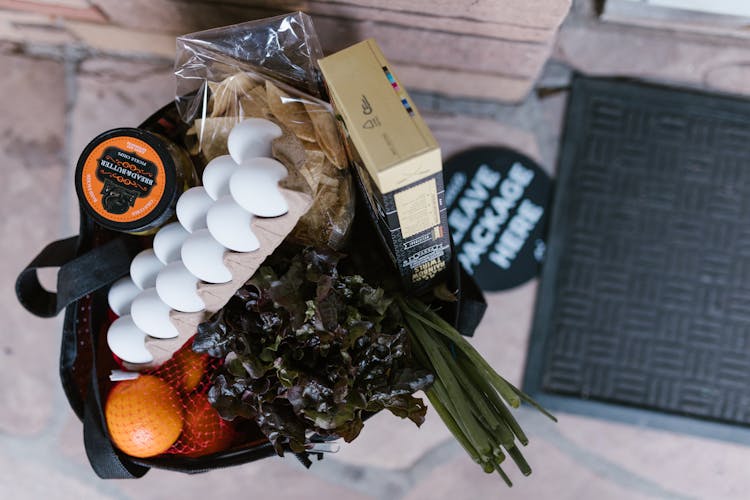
(129, 179)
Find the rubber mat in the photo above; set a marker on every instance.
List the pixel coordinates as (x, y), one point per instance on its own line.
(643, 311)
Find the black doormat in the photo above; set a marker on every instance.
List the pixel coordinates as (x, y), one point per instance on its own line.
(643, 312)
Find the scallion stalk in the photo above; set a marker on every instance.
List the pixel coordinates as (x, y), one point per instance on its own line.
(468, 394)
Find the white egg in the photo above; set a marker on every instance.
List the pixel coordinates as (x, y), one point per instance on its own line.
(273, 168)
(216, 176)
(126, 341)
(254, 186)
(229, 224)
(151, 315)
(178, 288)
(192, 207)
(252, 138)
(144, 268)
(203, 256)
(121, 295)
(168, 241)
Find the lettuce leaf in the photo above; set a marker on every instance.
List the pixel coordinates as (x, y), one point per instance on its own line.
(309, 351)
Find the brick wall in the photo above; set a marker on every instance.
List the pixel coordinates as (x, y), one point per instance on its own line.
(492, 49)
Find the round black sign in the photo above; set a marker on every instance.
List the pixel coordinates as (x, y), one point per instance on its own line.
(498, 204)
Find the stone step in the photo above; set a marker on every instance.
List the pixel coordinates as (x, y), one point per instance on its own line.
(484, 49)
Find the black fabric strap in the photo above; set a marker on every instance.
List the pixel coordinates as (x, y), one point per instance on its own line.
(472, 305)
(78, 276)
(31, 294)
(105, 459)
(68, 356)
(107, 462)
(93, 270)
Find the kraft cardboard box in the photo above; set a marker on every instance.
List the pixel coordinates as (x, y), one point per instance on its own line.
(397, 160)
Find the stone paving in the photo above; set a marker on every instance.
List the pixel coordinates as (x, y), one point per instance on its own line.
(55, 101)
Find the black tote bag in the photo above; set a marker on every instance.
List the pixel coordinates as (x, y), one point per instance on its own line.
(87, 265)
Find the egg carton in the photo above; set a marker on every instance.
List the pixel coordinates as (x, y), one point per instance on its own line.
(226, 228)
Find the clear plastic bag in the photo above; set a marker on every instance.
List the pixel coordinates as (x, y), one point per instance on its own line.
(266, 69)
(284, 48)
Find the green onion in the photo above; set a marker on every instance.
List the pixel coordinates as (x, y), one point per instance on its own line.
(468, 394)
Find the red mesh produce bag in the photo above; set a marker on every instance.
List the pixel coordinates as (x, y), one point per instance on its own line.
(169, 405)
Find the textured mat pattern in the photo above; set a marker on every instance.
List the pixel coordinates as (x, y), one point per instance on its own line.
(645, 295)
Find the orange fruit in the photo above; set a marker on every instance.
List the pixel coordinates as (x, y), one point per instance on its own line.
(205, 432)
(191, 367)
(144, 416)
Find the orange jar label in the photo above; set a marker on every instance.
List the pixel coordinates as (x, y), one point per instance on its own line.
(123, 179)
